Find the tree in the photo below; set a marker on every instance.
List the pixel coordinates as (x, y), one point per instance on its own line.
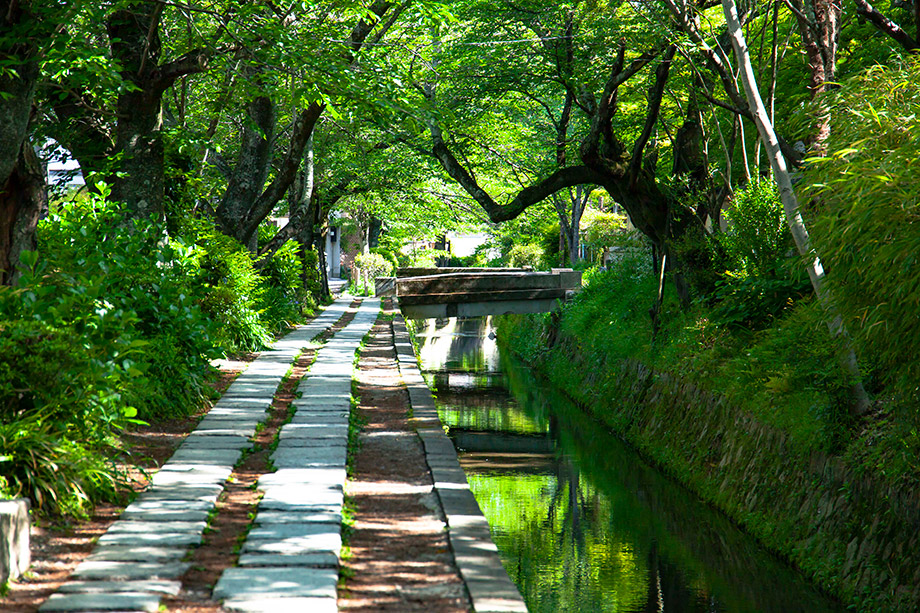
(791, 207)
(130, 130)
(25, 26)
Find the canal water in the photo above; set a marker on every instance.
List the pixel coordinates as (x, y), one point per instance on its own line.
(581, 522)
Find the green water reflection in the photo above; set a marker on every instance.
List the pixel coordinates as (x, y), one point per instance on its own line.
(581, 523)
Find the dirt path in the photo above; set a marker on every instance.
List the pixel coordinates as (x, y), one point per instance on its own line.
(400, 558)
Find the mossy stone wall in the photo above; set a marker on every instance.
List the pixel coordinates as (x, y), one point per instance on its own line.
(856, 535)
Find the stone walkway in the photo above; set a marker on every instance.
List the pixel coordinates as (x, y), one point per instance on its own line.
(289, 561)
(140, 558)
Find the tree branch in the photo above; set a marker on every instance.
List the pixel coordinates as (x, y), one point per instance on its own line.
(651, 117)
(886, 25)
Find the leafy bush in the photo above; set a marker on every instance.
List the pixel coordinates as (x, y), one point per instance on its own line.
(759, 283)
(231, 288)
(139, 287)
(528, 254)
(757, 237)
(47, 465)
(369, 266)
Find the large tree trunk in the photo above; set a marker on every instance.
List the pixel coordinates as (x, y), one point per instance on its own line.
(22, 199)
(819, 26)
(21, 175)
(860, 400)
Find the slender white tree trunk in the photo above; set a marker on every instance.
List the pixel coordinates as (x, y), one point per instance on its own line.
(791, 205)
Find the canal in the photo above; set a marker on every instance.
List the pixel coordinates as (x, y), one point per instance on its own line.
(582, 523)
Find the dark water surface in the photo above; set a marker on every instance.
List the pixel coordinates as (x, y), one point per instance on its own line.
(581, 522)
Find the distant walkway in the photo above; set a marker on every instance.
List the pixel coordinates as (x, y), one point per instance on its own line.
(140, 558)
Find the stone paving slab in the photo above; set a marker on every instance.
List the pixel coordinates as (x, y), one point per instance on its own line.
(300, 476)
(120, 601)
(305, 457)
(96, 587)
(215, 441)
(308, 494)
(282, 605)
(251, 583)
(156, 527)
(180, 492)
(126, 571)
(146, 502)
(171, 539)
(168, 478)
(321, 559)
(292, 530)
(201, 456)
(268, 516)
(320, 430)
(132, 553)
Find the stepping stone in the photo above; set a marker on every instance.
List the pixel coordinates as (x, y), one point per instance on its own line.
(298, 429)
(244, 402)
(130, 553)
(215, 441)
(282, 605)
(242, 412)
(214, 457)
(325, 559)
(171, 539)
(146, 502)
(189, 493)
(218, 431)
(294, 442)
(268, 516)
(308, 543)
(304, 476)
(171, 478)
(165, 515)
(255, 583)
(126, 571)
(305, 493)
(284, 532)
(95, 587)
(121, 601)
(214, 471)
(156, 527)
(305, 457)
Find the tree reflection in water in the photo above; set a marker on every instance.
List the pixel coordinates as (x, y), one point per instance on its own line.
(582, 524)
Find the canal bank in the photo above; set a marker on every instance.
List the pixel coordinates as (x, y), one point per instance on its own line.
(850, 530)
(581, 522)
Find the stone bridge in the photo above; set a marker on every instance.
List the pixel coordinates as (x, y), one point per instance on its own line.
(425, 293)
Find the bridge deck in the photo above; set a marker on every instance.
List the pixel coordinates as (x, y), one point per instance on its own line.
(468, 292)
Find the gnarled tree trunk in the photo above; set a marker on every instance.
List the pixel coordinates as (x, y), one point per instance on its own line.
(22, 180)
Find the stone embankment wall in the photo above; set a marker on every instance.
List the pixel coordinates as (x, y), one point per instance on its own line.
(855, 534)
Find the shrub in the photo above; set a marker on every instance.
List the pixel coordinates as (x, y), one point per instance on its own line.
(759, 282)
(231, 289)
(142, 289)
(528, 254)
(57, 473)
(369, 266)
(757, 238)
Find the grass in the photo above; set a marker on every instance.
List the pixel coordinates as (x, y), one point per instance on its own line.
(784, 374)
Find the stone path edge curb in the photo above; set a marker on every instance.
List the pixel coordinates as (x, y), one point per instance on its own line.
(491, 589)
